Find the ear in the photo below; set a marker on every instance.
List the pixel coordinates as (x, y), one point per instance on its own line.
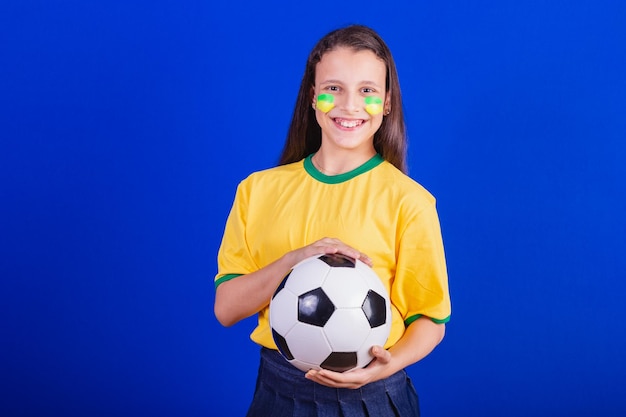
(312, 95)
(387, 108)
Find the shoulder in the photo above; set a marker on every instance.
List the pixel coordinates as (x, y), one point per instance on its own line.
(406, 188)
(281, 171)
(272, 177)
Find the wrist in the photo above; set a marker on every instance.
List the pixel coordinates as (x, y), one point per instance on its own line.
(288, 260)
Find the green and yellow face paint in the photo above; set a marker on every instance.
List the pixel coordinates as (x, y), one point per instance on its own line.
(325, 102)
(373, 105)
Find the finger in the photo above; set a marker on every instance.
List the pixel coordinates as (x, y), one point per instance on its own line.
(332, 245)
(325, 376)
(366, 259)
(381, 354)
(331, 381)
(316, 377)
(353, 379)
(352, 253)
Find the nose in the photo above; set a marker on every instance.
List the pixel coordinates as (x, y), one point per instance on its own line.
(351, 102)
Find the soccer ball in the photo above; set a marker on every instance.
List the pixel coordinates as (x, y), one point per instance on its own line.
(328, 312)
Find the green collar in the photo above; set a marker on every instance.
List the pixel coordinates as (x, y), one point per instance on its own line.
(336, 179)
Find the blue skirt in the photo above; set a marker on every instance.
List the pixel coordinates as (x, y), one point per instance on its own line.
(282, 390)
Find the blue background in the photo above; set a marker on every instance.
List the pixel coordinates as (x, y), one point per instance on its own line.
(126, 125)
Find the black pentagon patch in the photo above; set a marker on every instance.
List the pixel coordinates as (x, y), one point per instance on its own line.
(375, 309)
(282, 345)
(337, 260)
(282, 284)
(340, 361)
(314, 307)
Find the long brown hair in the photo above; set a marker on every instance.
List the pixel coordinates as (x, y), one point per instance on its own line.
(305, 136)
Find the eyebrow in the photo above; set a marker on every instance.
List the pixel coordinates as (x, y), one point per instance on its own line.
(365, 82)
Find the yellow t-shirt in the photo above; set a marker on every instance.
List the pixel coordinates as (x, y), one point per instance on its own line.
(375, 208)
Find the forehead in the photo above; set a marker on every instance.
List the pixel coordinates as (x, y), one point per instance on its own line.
(347, 65)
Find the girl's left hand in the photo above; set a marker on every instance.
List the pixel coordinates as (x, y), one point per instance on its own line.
(377, 369)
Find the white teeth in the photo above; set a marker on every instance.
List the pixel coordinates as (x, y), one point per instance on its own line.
(349, 124)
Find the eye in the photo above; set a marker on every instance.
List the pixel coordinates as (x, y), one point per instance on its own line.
(332, 88)
(368, 90)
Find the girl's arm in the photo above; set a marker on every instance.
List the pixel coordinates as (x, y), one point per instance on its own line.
(247, 294)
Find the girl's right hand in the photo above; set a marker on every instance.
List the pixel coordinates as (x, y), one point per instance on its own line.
(328, 245)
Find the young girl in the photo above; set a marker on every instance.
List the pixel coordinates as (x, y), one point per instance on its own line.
(341, 187)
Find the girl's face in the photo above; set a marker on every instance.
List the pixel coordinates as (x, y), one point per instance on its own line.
(349, 97)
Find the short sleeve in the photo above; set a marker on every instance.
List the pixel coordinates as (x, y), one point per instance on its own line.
(234, 257)
(420, 286)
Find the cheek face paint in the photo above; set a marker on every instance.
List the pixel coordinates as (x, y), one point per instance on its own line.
(373, 105)
(325, 102)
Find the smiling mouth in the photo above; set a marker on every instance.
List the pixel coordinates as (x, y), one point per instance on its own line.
(348, 124)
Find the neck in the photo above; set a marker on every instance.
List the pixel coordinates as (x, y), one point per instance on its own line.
(336, 165)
